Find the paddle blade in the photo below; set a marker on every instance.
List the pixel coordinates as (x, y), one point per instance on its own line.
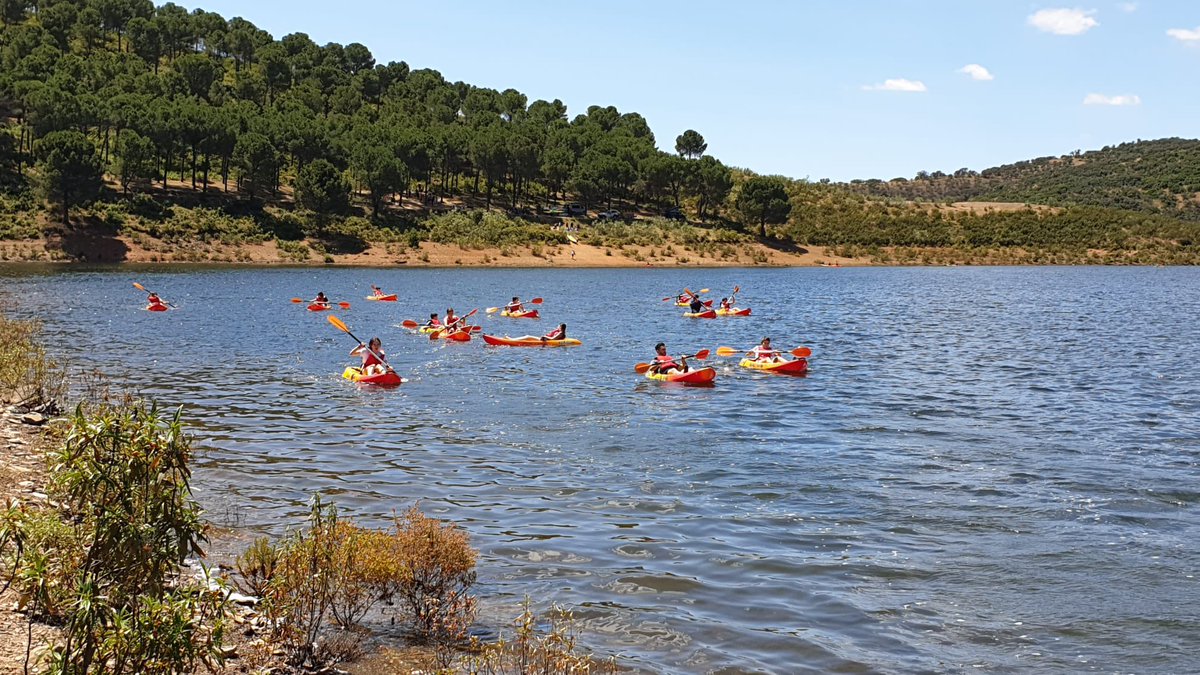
(641, 367)
(338, 323)
(736, 289)
(297, 300)
(492, 310)
(666, 299)
(140, 287)
(701, 355)
(344, 305)
(408, 323)
(728, 351)
(475, 329)
(535, 301)
(471, 313)
(704, 290)
(801, 352)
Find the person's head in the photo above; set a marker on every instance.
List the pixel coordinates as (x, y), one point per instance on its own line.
(516, 299)
(433, 316)
(374, 287)
(450, 311)
(562, 326)
(375, 343)
(660, 349)
(320, 294)
(724, 300)
(766, 342)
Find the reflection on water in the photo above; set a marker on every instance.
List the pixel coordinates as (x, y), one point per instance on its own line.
(986, 468)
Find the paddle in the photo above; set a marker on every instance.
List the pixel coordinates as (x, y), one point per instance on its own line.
(341, 325)
(798, 352)
(699, 356)
(143, 289)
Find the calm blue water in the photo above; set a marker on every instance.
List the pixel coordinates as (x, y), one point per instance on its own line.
(986, 469)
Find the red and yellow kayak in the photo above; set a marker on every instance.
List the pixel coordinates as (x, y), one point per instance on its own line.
(525, 342)
(707, 303)
(383, 298)
(154, 307)
(527, 314)
(794, 367)
(698, 376)
(388, 379)
(318, 307)
(706, 314)
(733, 312)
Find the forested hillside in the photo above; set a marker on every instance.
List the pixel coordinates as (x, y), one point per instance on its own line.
(171, 126)
(1160, 177)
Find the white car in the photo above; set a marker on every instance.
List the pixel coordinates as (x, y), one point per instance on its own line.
(610, 214)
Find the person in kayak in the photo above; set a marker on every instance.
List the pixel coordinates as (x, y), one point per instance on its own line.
(559, 333)
(320, 299)
(374, 361)
(765, 353)
(433, 321)
(726, 304)
(153, 299)
(377, 291)
(514, 307)
(697, 305)
(664, 364)
(450, 320)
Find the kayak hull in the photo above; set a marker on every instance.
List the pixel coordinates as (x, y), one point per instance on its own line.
(528, 314)
(515, 342)
(429, 329)
(699, 376)
(709, 314)
(388, 379)
(794, 367)
(156, 308)
(383, 298)
(457, 336)
(733, 312)
(319, 308)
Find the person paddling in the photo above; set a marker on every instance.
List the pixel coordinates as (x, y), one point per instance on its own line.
(321, 299)
(726, 304)
(764, 352)
(696, 305)
(664, 364)
(374, 361)
(514, 307)
(433, 321)
(450, 319)
(377, 290)
(153, 300)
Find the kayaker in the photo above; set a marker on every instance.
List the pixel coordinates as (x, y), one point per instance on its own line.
(433, 321)
(153, 299)
(450, 319)
(559, 333)
(514, 307)
(377, 290)
(726, 304)
(665, 364)
(764, 352)
(697, 306)
(374, 361)
(320, 299)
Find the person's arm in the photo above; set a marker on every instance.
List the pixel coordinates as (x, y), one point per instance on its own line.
(357, 351)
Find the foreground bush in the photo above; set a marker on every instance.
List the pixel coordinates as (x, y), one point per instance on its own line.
(27, 375)
(528, 651)
(104, 564)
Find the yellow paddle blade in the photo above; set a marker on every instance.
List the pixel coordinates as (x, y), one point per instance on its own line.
(641, 367)
(493, 310)
(139, 287)
(703, 290)
(338, 323)
(728, 351)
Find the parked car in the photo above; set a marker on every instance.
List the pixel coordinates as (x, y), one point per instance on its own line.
(674, 213)
(576, 210)
(611, 214)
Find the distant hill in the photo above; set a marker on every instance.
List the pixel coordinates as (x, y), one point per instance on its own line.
(1160, 177)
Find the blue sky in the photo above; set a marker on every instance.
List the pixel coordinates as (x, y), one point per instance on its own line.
(810, 89)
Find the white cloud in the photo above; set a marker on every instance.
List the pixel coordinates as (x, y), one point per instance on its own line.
(1128, 6)
(1063, 21)
(1101, 99)
(1185, 35)
(977, 72)
(898, 84)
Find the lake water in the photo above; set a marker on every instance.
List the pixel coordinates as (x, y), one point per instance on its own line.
(986, 469)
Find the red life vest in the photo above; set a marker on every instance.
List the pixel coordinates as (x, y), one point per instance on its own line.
(368, 359)
(556, 334)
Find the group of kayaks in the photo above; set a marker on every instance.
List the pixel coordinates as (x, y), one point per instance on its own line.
(702, 308)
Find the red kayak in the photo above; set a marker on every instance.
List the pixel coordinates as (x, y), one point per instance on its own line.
(459, 336)
(317, 307)
(733, 312)
(707, 314)
(156, 308)
(388, 379)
